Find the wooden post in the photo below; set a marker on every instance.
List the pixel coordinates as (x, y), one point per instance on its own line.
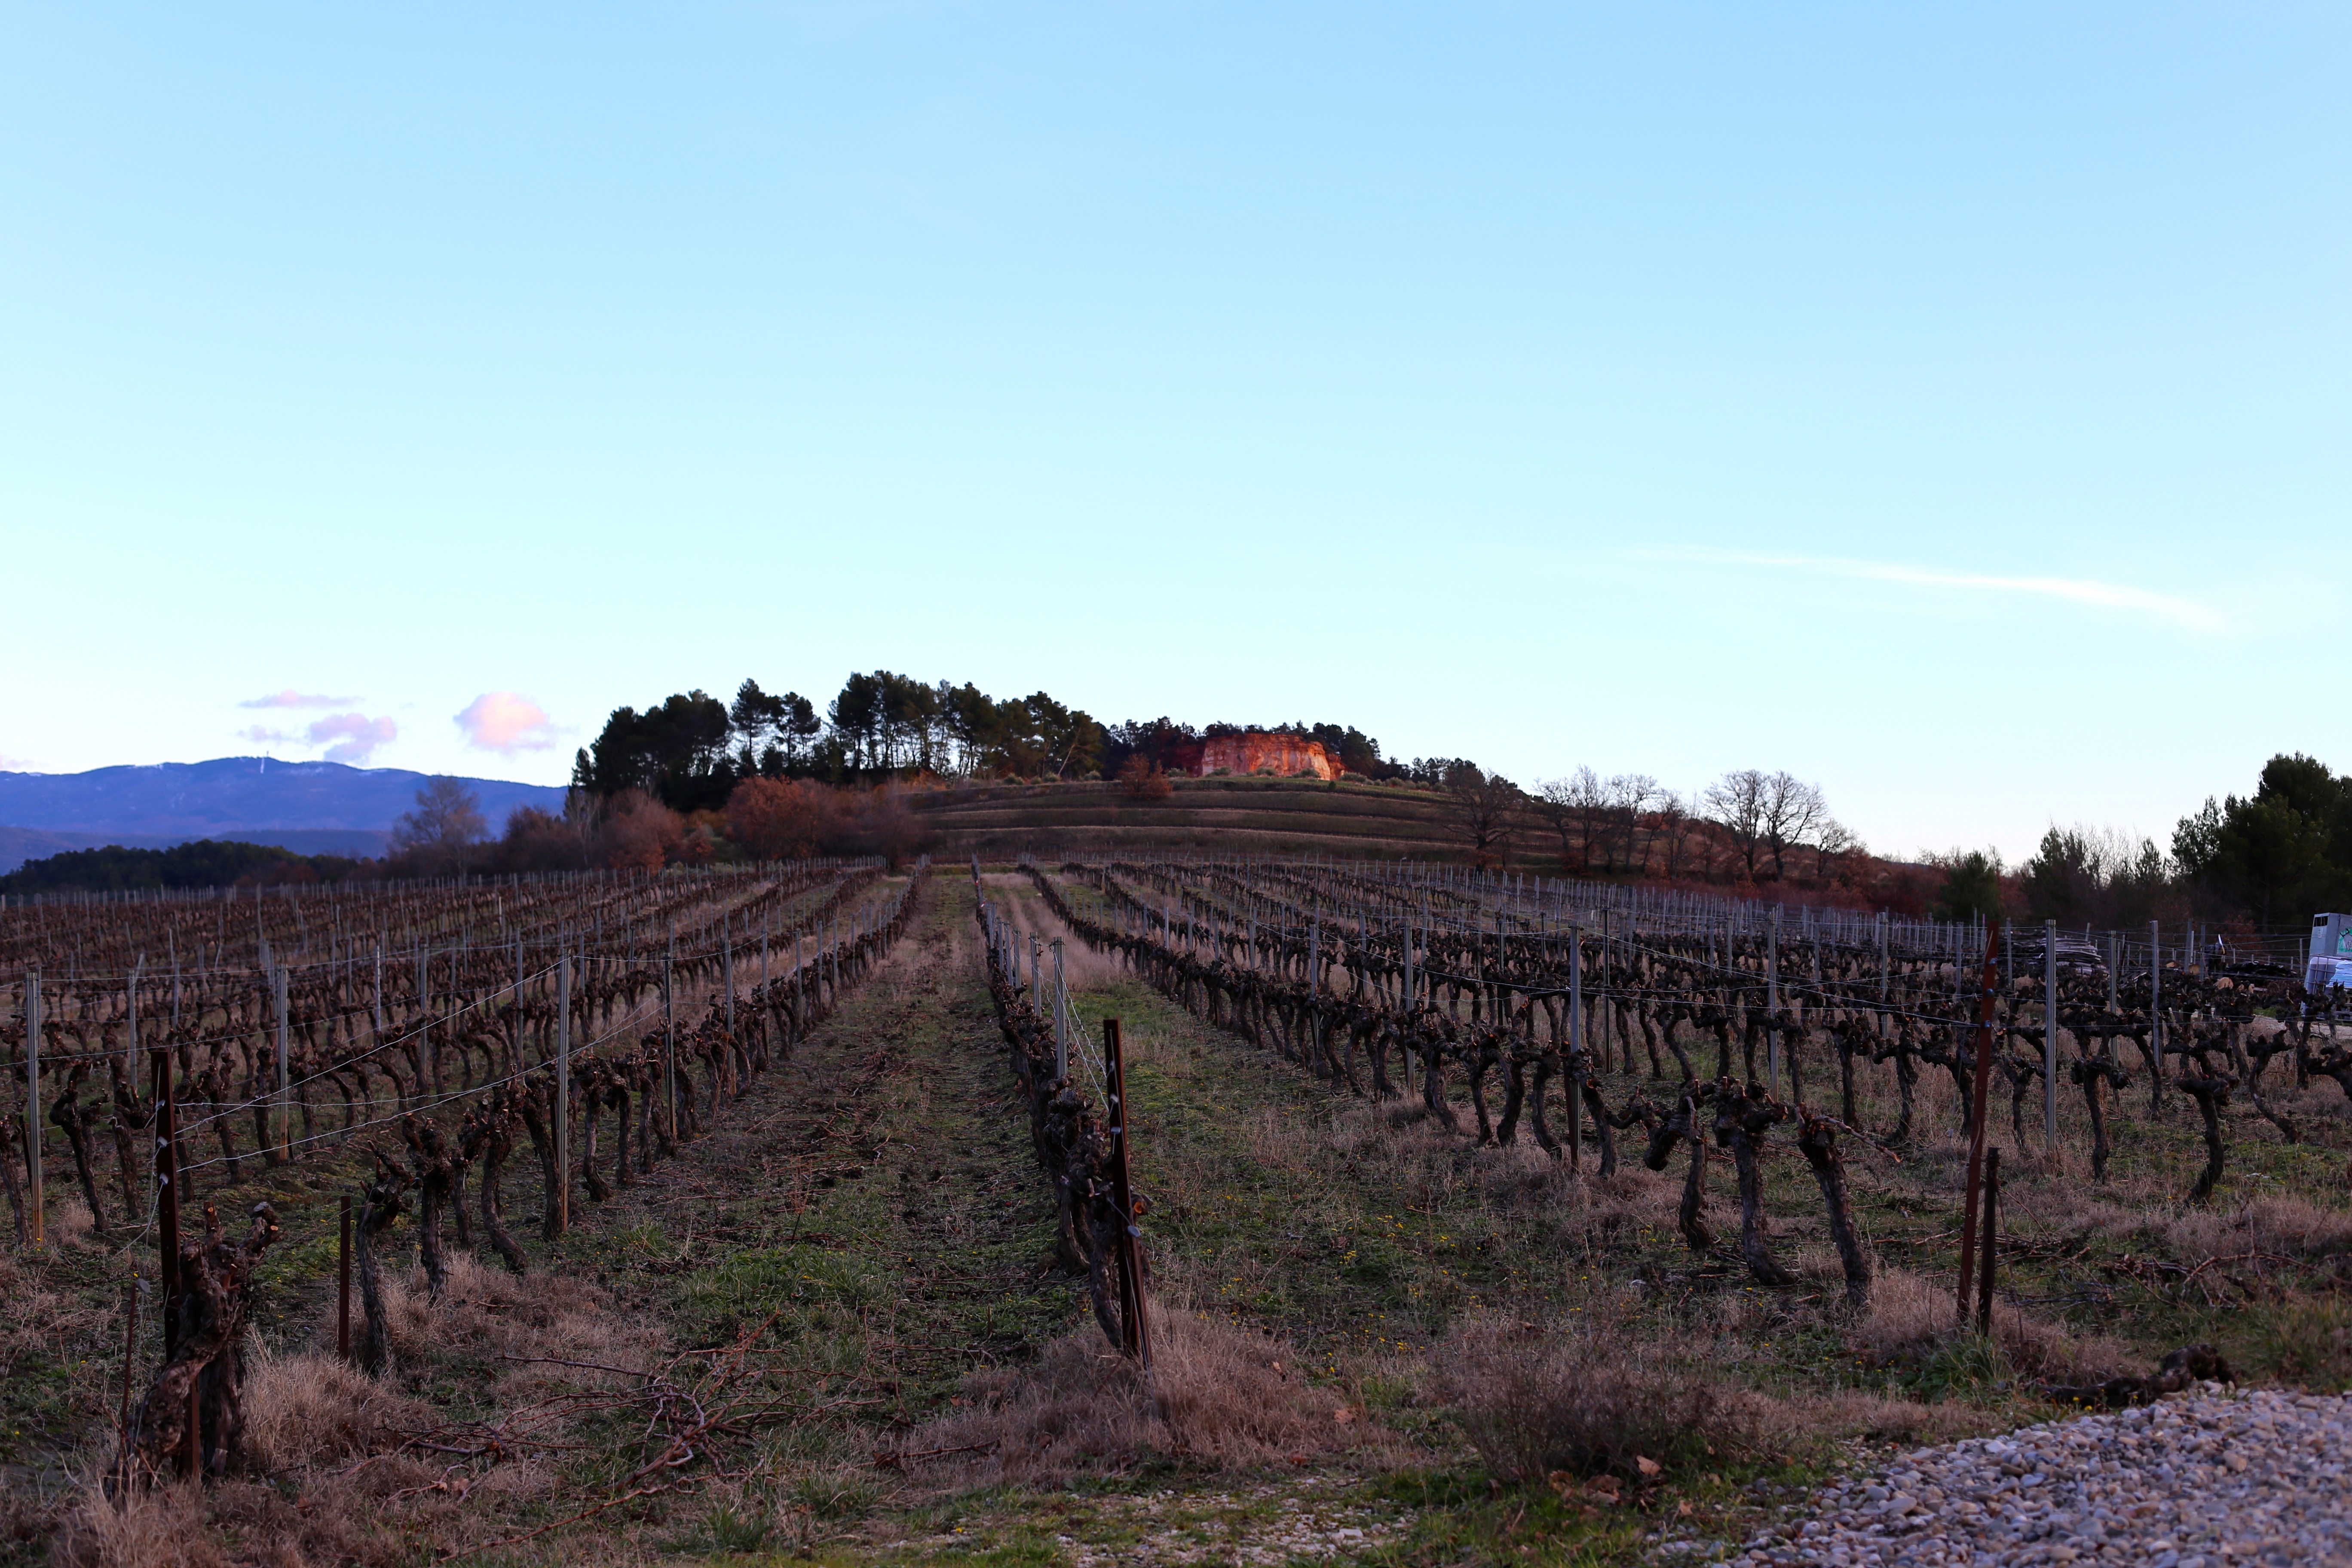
(2049, 1035)
(1134, 1332)
(1882, 958)
(1989, 977)
(2155, 1009)
(1772, 1005)
(343, 1287)
(562, 1093)
(285, 1112)
(32, 1101)
(669, 1034)
(167, 1187)
(425, 1079)
(197, 1426)
(1616, 1055)
(129, 1355)
(1991, 1239)
(1061, 1019)
(1575, 1047)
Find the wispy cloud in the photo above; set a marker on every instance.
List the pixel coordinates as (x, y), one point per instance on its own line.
(507, 722)
(2186, 612)
(352, 737)
(347, 737)
(9, 764)
(289, 698)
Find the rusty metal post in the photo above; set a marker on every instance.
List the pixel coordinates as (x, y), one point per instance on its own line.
(1134, 1332)
(1987, 978)
(1991, 1239)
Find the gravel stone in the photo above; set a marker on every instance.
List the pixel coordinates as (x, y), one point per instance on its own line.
(2206, 1479)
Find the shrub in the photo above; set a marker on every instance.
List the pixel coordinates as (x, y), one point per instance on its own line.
(1584, 1397)
(1145, 781)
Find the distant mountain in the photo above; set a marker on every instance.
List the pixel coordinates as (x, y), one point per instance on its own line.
(314, 808)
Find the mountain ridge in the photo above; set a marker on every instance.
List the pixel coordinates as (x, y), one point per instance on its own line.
(310, 807)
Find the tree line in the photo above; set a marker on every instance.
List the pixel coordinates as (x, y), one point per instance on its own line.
(690, 750)
(205, 863)
(2264, 861)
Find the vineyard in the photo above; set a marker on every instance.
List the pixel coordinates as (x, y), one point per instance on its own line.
(868, 1208)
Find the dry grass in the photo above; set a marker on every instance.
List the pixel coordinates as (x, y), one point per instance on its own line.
(164, 1528)
(1631, 1200)
(1585, 1395)
(1881, 1418)
(490, 1313)
(307, 1409)
(1911, 1320)
(1217, 1399)
(2308, 1340)
(65, 1221)
(2281, 1226)
(310, 1417)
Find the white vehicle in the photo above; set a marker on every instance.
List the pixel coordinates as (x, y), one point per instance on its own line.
(2331, 953)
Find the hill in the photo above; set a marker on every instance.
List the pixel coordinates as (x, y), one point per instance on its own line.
(312, 808)
(1358, 819)
(1241, 815)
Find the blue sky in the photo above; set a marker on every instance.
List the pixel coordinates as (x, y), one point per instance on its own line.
(1947, 404)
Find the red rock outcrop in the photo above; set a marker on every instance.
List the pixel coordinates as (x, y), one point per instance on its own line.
(1255, 751)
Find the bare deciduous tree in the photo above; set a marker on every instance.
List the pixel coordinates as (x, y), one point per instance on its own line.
(1768, 814)
(1623, 799)
(1483, 807)
(1793, 810)
(1735, 802)
(1833, 845)
(1573, 808)
(441, 833)
(1674, 821)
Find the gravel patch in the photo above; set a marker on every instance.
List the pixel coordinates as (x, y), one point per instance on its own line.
(2202, 1479)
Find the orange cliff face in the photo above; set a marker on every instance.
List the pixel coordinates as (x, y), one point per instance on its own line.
(1282, 755)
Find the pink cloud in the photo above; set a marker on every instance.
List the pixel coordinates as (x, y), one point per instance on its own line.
(289, 698)
(352, 737)
(264, 733)
(507, 722)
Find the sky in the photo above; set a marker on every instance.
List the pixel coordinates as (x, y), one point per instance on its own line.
(1949, 406)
